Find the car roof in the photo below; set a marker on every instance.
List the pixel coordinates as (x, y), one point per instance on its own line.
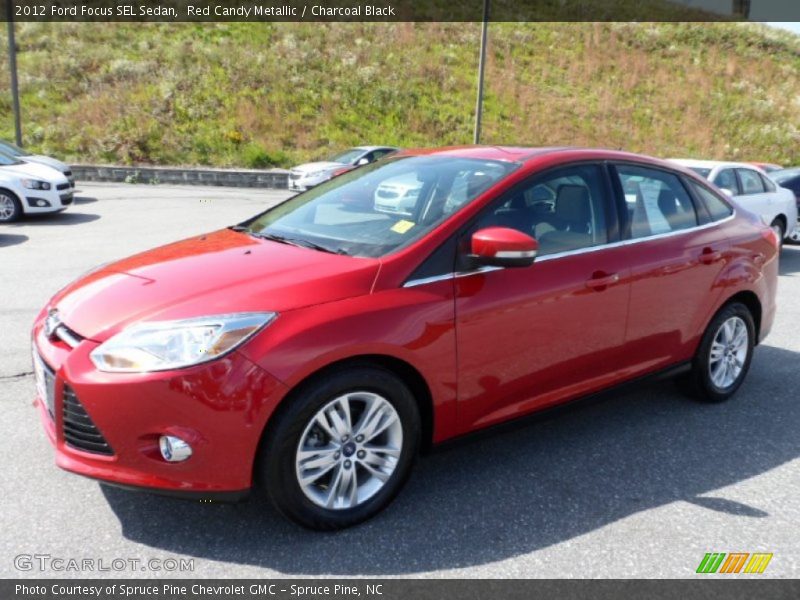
(370, 148)
(712, 164)
(520, 154)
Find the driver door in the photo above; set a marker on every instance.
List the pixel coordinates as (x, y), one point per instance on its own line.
(536, 336)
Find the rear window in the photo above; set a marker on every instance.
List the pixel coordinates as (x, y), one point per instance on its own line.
(718, 209)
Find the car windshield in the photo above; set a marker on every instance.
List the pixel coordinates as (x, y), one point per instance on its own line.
(11, 149)
(347, 157)
(703, 172)
(6, 160)
(378, 208)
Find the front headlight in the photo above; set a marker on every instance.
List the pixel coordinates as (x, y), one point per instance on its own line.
(35, 184)
(165, 345)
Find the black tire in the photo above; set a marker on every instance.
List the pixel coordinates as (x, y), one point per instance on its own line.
(276, 467)
(780, 230)
(699, 382)
(7, 199)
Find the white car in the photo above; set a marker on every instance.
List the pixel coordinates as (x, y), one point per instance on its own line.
(398, 195)
(28, 188)
(752, 189)
(305, 176)
(22, 154)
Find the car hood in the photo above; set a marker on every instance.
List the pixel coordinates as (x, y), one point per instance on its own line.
(35, 170)
(322, 165)
(219, 273)
(46, 160)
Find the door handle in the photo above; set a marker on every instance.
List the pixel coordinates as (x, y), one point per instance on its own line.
(709, 256)
(600, 281)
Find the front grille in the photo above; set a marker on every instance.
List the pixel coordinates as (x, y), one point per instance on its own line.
(66, 199)
(62, 186)
(80, 432)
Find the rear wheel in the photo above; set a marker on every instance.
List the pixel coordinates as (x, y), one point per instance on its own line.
(342, 449)
(10, 207)
(723, 357)
(780, 230)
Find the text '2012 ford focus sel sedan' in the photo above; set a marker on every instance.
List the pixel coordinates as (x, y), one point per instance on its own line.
(313, 350)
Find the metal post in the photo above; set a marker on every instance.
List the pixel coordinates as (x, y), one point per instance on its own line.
(481, 65)
(12, 66)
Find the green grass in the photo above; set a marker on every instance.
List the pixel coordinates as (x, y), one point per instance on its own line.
(260, 95)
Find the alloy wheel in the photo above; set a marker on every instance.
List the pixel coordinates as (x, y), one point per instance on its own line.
(349, 450)
(7, 208)
(728, 353)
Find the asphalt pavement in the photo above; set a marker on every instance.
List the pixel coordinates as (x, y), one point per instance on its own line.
(642, 484)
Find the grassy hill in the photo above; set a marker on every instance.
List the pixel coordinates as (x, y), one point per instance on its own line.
(262, 95)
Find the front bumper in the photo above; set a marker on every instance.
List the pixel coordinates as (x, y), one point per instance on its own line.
(220, 408)
(301, 183)
(44, 201)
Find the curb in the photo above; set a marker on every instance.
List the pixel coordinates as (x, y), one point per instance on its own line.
(270, 178)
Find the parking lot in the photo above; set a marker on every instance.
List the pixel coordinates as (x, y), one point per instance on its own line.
(642, 484)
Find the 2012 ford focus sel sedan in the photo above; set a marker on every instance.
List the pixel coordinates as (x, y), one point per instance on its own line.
(314, 350)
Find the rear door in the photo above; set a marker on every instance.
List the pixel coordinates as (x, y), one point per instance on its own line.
(753, 195)
(676, 254)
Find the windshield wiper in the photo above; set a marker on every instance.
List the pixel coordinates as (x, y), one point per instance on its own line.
(295, 242)
(239, 228)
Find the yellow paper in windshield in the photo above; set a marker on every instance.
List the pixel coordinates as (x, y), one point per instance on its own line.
(402, 226)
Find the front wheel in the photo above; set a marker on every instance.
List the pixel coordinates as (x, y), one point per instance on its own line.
(341, 449)
(10, 207)
(723, 357)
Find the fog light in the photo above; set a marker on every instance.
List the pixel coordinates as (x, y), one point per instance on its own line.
(174, 449)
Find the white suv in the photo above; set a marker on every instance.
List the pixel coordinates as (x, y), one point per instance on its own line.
(752, 189)
(27, 187)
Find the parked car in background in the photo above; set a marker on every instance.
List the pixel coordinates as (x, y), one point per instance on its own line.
(752, 189)
(790, 179)
(17, 152)
(767, 167)
(327, 343)
(305, 176)
(29, 188)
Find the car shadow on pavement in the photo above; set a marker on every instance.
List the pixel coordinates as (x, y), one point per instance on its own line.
(7, 239)
(517, 492)
(789, 262)
(84, 200)
(65, 218)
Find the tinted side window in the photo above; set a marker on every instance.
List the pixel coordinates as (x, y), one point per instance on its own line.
(563, 209)
(717, 209)
(751, 181)
(726, 179)
(768, 185)
(657, 201)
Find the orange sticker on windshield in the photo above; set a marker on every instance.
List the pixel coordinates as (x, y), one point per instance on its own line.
(402, 226)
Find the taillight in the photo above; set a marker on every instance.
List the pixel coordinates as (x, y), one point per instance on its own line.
(769, 234)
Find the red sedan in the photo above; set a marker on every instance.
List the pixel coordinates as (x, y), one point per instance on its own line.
(314, 350)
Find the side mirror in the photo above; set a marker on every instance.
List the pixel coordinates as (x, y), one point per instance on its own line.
(362, 161)
(503, 247)
(727, 192)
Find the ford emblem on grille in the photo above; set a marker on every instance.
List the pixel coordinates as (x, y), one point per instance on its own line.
(51, 323)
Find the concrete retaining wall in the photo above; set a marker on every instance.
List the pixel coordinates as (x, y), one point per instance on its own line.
(271, 178)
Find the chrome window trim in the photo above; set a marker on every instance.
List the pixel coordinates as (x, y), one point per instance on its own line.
(444, 276)
(65, 336)
(434, 278)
